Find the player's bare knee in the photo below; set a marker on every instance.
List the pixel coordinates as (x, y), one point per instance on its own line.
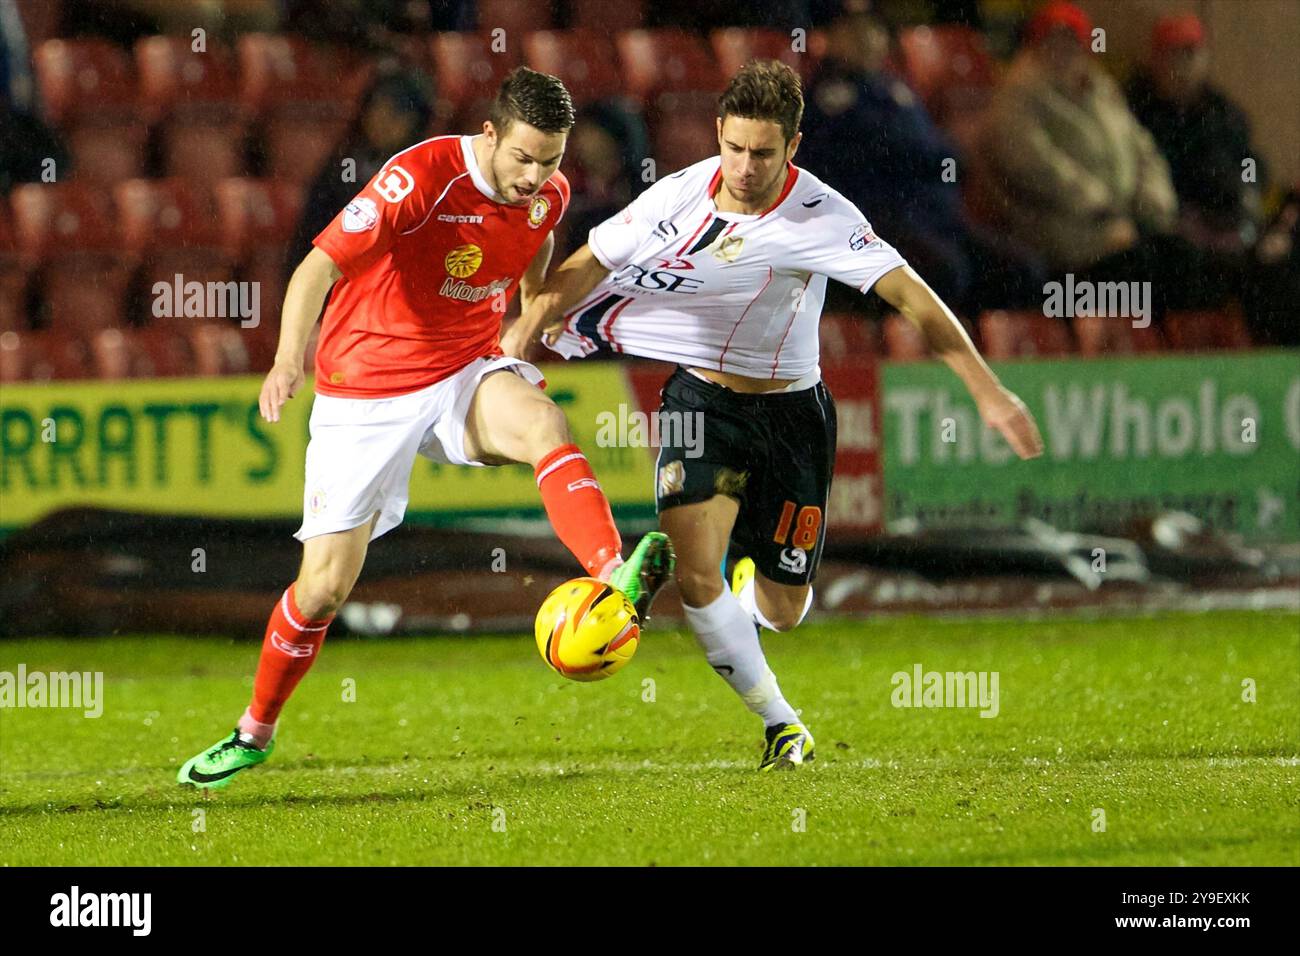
(548, 430)
(320, 594)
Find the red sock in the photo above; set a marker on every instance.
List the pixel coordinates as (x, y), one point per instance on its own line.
(288, 651)
(578, 509)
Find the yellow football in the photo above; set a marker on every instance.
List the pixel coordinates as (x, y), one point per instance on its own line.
(587, 630)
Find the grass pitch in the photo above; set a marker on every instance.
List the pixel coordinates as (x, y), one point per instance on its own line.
(468, 751)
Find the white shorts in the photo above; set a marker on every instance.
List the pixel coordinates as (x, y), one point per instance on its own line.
(362, 450)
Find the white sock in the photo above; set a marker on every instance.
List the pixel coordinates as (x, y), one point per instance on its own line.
(749, 601)
(731, 645)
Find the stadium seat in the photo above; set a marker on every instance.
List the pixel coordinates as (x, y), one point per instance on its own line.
(51, 220)
(666, 61)
(67, 234)
(176, 79)
(41, 19)
(303, 97)
(735, 46)
(468, 70)
(82, 79)
(1100, 336)
(584, 59)
(949, 66)
(1008, 335)
(903, 340)
(614, 17)
(513, 16)
(42, 356)
(846, 338)
(948, 57)
(684, 130)
(195, 99)
(160, 351)
(1201, 331)
(258, 218)
(13, 277)
(219, 348)
(174, 229)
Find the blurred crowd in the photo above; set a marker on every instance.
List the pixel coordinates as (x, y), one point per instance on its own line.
(991, 178)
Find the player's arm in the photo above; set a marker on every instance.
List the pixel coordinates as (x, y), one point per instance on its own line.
(308, 287)
(530, 283)
(1001, 409)
(566, 287)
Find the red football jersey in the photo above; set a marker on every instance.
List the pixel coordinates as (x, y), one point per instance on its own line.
(429, 260)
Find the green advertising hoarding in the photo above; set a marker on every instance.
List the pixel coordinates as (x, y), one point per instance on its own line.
(1217, 435)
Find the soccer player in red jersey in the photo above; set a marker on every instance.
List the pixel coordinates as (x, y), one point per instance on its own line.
(418, 269)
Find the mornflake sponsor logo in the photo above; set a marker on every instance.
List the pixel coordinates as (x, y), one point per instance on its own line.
(946, 689)
(464, 292)
(75, 690)
(72, 909)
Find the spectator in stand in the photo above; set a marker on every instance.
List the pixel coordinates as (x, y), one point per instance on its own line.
(1201, 134)
(1272, 285)
(866, 133)
(603, 164)
(395, 113)
(1067, 168)
(25, 141)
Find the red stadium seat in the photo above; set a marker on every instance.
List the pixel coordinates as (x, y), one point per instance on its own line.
(159, 351)
(13, 278)
(614, 17)
(666, 61)
(1202, 331)
(220, 348)
(903, 340)
(258, 219)
(69, 231)
(950, 68)
(514, 16)
(83, 79)
(1099, 336)
(469, 70)
(735, 46)
(43, 356)
(1008, 335)
(58, 219)
(176, 79)
(846, 338)
(684, 130)
(196, 99)
(939, 59)
(286, 72)
(584, 59)
(174, 229)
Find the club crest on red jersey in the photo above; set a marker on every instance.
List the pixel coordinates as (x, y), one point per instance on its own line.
(538, 211)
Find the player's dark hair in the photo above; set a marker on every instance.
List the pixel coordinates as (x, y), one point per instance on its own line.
(765, 90)
(537, 99)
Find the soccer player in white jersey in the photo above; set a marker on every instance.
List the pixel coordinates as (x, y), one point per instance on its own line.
(722, 268)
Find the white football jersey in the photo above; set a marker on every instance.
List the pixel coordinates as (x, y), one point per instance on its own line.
(721, 290)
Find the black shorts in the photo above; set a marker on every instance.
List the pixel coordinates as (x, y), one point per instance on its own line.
(773, 453)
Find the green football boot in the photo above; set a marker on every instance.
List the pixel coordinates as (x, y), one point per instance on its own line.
(646, 570)
(788, 746)
(217, 766)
